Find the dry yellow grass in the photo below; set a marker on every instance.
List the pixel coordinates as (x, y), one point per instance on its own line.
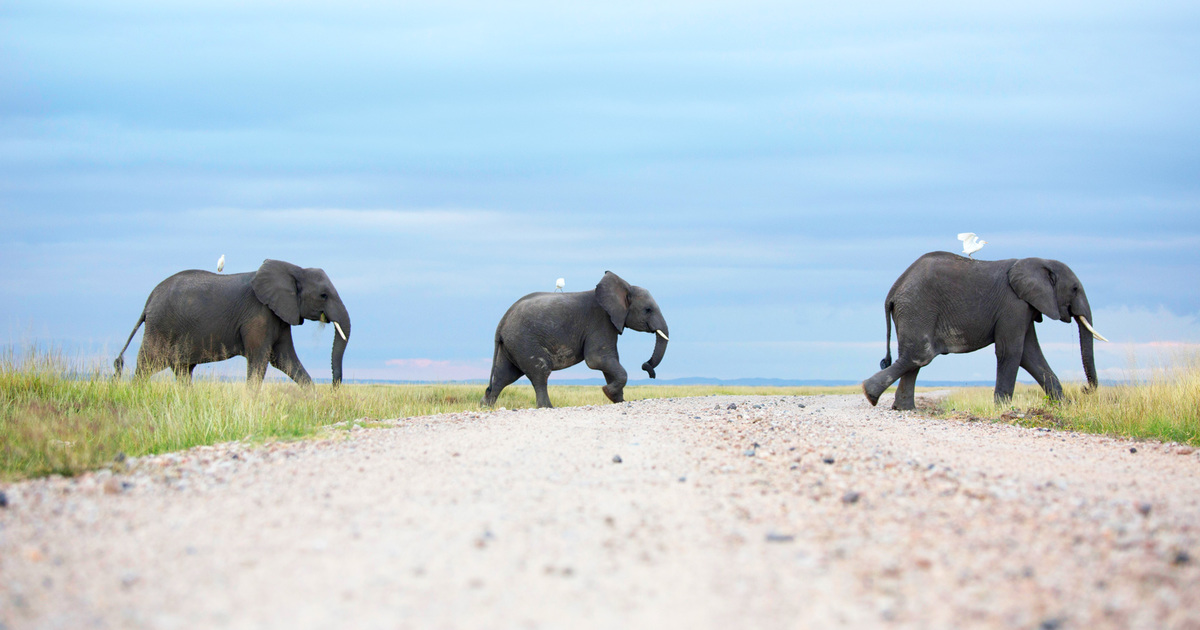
(1164, 405)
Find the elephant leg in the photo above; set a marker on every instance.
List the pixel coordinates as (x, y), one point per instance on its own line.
(1008, 361)
(614, 375)
(183, 372)
(283, 357)
(504, 373)
(874, 387)
(540, 380)
(257, 360)
(905, 391)
(1034, 362)
(146, 366)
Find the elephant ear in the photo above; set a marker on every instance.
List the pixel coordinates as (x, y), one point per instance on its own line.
(613, 295)
(275, 286)
(1033, 281)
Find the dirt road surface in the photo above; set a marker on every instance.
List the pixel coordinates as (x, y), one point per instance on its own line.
(794, 512)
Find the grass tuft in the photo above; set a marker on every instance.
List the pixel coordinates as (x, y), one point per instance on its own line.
(1164, 405)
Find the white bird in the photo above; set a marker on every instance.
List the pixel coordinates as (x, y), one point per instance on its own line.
(971, 243)
(559, 284)
(220, 263)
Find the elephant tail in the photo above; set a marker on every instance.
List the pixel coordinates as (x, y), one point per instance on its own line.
(887, 320)
(119, 364)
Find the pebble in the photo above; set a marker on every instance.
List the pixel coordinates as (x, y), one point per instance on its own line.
(851, 497)
(732, 406)
(1144, 508)
(773, 537)
(749, 452)
(3, 499)
(1132, 449)
(1181, 558)
(828, 460)
(617, 459)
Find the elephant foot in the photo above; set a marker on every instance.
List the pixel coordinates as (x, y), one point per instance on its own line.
(874, 400)
(617, 397)
(900, 405)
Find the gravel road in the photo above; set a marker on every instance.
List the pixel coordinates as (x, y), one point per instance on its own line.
(713, 512)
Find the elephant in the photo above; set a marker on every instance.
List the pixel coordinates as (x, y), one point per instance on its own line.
(198, 317)
(947, 303)
(543, 332)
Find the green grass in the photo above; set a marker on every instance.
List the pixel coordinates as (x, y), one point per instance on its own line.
(59, 419)
(1164, 406)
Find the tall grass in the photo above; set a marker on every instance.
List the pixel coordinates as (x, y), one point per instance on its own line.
(1162, 404)
(59, 418)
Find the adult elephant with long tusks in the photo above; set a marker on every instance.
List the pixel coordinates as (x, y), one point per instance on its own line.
(198, 317)
(946, 303)
(543, 332)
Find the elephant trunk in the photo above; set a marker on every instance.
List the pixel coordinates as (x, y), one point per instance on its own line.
(661, 337)
(341, 336)
(1086, 344)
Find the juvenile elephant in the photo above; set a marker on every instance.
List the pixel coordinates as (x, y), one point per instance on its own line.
(947, 303)
(543, 332)
(198, 317)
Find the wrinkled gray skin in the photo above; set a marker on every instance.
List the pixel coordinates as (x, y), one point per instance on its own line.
(947, 303)
(543, 332)
(198, 317)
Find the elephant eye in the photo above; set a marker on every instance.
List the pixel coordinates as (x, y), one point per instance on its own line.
(324, 296)
(648, 309)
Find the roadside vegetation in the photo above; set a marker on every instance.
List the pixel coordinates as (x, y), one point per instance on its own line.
(1165, 405)
(56, 418)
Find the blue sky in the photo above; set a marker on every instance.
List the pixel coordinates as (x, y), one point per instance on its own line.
(765, 169)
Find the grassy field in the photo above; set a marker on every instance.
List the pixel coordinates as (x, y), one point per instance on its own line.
(1164, 406)
(64, 420)
(54, 419)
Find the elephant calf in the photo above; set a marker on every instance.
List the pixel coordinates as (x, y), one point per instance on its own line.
(543, 332)
(198, 317)
(947, 303)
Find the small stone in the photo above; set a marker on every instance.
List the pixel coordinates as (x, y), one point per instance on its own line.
(1181, 558)
(851, 497)
(682, 479)
(617, 459)
(1053, 623)
(1144, 508)
(1184, 450)
(828, 460)
(1132, 449)
(120, 457)
(732, 406)
(3, 499)
(774, 537)
(800, 405)
(748, 452)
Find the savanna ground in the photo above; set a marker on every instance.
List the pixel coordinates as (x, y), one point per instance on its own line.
(386, 506)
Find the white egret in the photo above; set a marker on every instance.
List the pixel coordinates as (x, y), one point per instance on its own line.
(220, 263)
(971, 243)
(559, 284)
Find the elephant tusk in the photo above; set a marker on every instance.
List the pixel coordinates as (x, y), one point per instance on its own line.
(662, 334)
(338, 328)
(1083, 320)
